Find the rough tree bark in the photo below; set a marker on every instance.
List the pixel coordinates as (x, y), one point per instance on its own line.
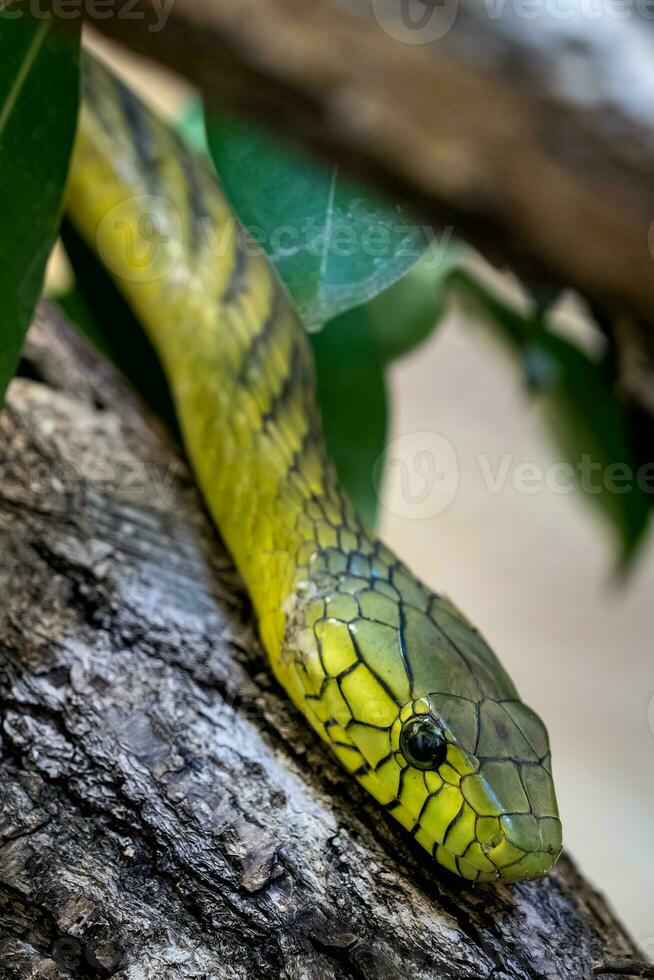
(163, 812)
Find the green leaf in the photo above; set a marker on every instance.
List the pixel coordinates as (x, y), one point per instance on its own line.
(352, 352)
(582, 410)
(352, 396)
(98, 308)
(39, 92)
(335, 243)
(404, 315)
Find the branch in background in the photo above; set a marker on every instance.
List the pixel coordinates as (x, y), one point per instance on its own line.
(532, 137)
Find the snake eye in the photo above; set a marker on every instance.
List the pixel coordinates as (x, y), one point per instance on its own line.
(423, 744)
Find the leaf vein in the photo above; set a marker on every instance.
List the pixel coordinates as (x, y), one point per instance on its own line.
(21, 75)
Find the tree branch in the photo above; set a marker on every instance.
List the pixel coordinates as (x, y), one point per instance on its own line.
(532, 137)
(165, 813)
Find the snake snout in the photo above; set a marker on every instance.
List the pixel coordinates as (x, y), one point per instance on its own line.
(529, 849)
(518, 827)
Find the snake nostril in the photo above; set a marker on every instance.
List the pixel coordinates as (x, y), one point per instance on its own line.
(550, 834)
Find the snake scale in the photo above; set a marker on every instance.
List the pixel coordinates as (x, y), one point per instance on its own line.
(398, 683)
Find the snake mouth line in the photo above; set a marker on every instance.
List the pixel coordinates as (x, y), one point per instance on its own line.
(500, 861)
(508, 849)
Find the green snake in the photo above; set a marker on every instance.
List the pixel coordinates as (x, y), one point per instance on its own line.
(398, 683)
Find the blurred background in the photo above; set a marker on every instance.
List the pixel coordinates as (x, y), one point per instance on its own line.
(534, 568)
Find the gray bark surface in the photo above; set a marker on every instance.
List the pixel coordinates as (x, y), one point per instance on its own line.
(164, 813)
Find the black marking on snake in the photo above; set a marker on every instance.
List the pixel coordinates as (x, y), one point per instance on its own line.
(237, 284)
(392, 805)
(524, 788)
(417, 826)
(320, 503)
(383, 761)
(348, 670)
(457, 861)
(299, 482)
(447, 830)
(373, 619)
(478, 714)
(403, 651)
(382, 683)
(259, 341)
(400, 783)
(195, 196)
(363, 770)
(452, 824)
(279, 398)
(337, 741)
(369, 724)
(138, 125)
(310, 434)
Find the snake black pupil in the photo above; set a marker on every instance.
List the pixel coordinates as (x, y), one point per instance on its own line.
(423, 744)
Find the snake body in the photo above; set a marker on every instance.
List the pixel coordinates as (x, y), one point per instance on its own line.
(397, 682)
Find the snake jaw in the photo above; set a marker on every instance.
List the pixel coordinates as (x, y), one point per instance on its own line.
(505, 848)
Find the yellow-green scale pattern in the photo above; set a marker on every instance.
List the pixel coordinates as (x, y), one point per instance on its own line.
(360, 645)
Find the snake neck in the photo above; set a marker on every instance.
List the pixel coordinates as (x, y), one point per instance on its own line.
(236, 356)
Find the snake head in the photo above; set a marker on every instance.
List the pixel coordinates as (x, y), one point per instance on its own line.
(472, 783)
(463, 765)
(416, 705)
(475, 786)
